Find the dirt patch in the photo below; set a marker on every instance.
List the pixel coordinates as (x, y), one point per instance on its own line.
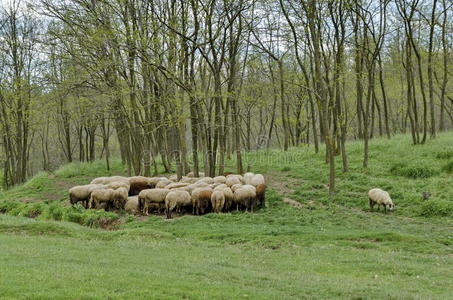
(292, 202)
(283, 187)
(51, 196)
(28, 199)
(64, 183)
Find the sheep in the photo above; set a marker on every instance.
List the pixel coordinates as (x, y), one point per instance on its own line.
(257, 179)
(120, 198)
(236, 186)
(175, 185)
(248, 177)
(194, 186)
(132, 206)
(260, 194)
(118, 184)
(189, 180)
(107, 180)
(176, 199)
(219, 179)
(245, 196)
(82, 193)
(163, 183)
(147, 197)
(232, 180)
(138, 184)
(229, 198)
(220, 187)
(102, 198)
(192, 174)
(207, 180)
(380, 197)
(217, 201)
(201, 198)
(152, 181)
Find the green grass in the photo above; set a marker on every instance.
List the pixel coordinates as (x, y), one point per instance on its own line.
(333, 247)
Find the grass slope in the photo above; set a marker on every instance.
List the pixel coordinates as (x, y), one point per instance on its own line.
(331, 248)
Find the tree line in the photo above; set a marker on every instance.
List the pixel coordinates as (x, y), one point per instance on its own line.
(192, 83)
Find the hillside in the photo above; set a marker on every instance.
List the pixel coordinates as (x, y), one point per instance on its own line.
(329, 247)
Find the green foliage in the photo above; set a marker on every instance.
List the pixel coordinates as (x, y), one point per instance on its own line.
(448, 167)
(93, 169)
(437, 208)
(444, 154)
(413, 172)
(286, 169)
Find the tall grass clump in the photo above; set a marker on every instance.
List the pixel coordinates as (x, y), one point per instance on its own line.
(445, 154)
(89, 169)
(413, 172)
(437, 208)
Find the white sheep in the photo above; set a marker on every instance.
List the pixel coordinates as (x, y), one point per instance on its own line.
(132, 206)
(229, 198)
(163, 183)
(207, 180)
(232, 180)
(246, 196)
(217, 201)
(118, 184)
(176, 199)
(248, 177)
(108, 198)
(220, 187)
(191, 174)
(380, 197)
(147, 197)
(257, 179)
(219, 179)
(82, 193)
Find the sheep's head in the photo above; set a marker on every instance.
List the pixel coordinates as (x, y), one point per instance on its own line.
(390, 205)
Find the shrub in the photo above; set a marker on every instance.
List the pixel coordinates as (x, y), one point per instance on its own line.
(53, 211)
(436, 208)
(444, 155)
(448, 167)
(32, 210)
(414, 172)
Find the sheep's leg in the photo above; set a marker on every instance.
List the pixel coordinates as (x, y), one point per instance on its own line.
(371, 204)
(385, 208)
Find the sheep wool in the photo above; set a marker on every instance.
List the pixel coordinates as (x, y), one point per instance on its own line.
(217, 201)
(380, 197)
(176, 200)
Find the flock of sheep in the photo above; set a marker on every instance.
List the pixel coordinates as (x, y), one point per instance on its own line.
(199, 195)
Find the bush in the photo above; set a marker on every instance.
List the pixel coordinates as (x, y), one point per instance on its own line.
(414, 172)
(448, 167)
(437, 208)
(444, 155)
(32, 210)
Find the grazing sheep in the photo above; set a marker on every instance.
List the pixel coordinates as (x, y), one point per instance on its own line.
(260, 194)
(232, 180)
(220, 187)
(152, 181)
(132, 206)
(380, 197)
(147, 197)
(138, 184)
(201, 198)
(219, 179)
(207, 180)
(217, 201)
(120, 198)
(82, 193)
(191, 187)
(245, 196)
(107, 180)
(176, 199)
(173, 178)
(236, 186)
(118, 184)
(189, 180)
(248, 177)
(257, 179)
(229, 198)
(191, 174)
(106, 198)
(176, 185)
(163, 183)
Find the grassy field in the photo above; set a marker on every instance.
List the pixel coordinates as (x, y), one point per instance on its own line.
(330, 248)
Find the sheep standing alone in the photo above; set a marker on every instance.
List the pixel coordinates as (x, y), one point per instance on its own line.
(217, 201)
(380, 197)
(176, 199)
